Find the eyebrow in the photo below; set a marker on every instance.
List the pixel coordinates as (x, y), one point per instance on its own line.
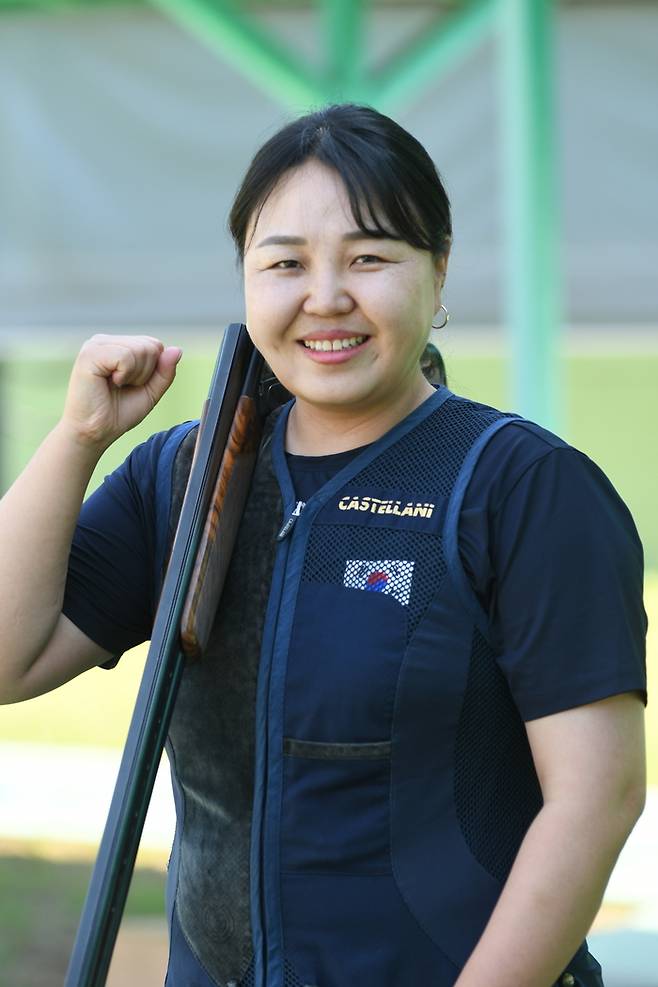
(299, 241)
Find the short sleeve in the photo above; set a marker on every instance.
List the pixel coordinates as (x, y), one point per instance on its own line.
(563, 575)
(110, 591)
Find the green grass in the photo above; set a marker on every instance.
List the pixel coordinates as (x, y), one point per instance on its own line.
(40, 905)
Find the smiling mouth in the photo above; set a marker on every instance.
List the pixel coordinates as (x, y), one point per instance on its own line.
(328, 345)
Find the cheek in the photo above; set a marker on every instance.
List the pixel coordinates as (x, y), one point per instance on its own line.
(253, 297)
(409, 309)
(410, 293)
(271, 303)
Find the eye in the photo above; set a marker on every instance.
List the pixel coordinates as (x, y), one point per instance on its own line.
(285, 265)
(368, 259)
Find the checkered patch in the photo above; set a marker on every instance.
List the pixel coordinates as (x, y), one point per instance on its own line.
(390, 576)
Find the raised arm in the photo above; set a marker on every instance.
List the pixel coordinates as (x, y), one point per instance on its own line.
(115, 382)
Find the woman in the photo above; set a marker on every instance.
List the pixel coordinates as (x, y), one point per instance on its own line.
(414, 749)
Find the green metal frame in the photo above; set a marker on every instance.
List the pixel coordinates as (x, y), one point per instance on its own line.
(344, 31)
(531, 211)
(433, 55)
(530, 202)
(237, 38)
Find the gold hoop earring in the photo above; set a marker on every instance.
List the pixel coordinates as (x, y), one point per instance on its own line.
(445, 321)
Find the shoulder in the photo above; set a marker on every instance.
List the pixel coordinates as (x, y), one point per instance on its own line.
(162, 443)
(138, 493)
(531, 500)
(153, 459)
(514, 454)
(534, 476)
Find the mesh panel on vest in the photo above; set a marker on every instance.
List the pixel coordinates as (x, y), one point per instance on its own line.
(497, 794)
(332, 545)
(454, 427)
(290, 978)
(249, 979)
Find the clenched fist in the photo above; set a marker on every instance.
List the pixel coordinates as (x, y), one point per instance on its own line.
(115, 382)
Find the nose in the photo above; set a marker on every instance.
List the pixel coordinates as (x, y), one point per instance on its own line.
(327, 294)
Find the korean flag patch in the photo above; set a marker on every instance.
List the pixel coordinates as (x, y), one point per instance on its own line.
(390, 576)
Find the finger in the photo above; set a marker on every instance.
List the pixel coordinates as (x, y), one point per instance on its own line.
(147, 353)
(164, 372)
(103, 349)
(110, 360)
(169, 360)
(137, 364)
(103, 339)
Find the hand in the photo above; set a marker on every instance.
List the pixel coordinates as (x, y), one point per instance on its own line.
(116, 381)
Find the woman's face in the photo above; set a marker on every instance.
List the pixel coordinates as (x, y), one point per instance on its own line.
(342, 319)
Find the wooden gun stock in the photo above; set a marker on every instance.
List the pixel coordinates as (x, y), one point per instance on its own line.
(218, 539)
(261, 394)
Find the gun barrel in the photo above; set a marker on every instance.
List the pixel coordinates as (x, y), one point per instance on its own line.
(110, 880)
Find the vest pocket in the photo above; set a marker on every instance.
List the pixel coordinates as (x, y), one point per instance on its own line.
(335, 815)
(343, 664)
(320, 751)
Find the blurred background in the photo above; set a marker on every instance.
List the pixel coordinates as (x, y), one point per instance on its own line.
(125, 128)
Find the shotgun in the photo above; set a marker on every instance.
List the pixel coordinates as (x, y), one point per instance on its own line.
(242, 392)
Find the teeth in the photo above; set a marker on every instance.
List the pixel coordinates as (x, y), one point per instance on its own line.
(327, 345)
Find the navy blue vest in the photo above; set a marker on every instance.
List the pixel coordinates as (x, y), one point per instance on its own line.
(352, 778)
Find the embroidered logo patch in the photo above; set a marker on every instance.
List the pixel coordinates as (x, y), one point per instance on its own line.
(390, 576)
(379, 505)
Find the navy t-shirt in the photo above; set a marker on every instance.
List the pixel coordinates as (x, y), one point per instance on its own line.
(549, 547)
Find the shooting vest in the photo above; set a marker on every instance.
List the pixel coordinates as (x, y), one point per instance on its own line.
(352, 778)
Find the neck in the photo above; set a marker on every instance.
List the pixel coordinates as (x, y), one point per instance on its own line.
(314, 430)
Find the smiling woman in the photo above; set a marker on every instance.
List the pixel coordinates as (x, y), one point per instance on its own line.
(341, 316)
(419, 717)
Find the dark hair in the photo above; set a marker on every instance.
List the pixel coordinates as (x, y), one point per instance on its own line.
(433, 365)
(392, 183)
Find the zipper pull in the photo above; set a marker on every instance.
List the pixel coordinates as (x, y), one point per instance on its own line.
(290, 523)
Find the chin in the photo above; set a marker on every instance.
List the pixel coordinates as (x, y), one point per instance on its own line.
(344, 391)
(334, 398)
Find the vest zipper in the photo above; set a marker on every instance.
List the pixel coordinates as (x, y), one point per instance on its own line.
(290, 523)
(283, 536)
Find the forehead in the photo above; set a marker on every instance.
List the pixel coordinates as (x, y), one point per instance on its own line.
(309, 196)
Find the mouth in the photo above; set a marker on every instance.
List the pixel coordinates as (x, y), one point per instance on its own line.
(336, 347)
